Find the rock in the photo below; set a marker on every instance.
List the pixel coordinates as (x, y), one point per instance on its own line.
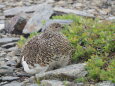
(6, 70)
(12, 60)
(56, 21)
(2, 6)
(3, 83)
(16, 52)
(9, 78)
(105, 83)
(11, 63)
(22, 74)
(39, 17)
(82, 84)
(59, 21)
(8, 40)
(30, 82)
(2, 17)
(56, 83)
(77, 5)
(104, 11)
(8, 45)
(13, 11)
(0, 47)
(111, 18)
(16, 25)
(2, 64)
(30, 7)
(12, 49)
(61, 3)
(2, 54)
(113, 10)
(2, 26)
(25, 9)
(69, 73)
(97, 2)
(14, 83)
(50, 1)
(67, 11)
(2, 21)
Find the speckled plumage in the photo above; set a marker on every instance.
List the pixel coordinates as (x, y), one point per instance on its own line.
(49, 48)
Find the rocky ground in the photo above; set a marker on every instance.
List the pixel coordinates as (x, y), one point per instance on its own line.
(19, 17)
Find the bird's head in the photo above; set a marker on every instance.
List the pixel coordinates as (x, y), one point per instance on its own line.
(55, 27)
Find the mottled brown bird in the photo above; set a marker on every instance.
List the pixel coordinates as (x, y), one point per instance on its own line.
(46, 51)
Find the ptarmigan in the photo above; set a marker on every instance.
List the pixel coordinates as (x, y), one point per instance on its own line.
(46, 51)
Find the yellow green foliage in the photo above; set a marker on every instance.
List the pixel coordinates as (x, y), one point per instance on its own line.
(21, 42)
(101, 69)
(81, 79)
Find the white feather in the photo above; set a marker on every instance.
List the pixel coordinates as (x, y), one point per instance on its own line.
(35, 70)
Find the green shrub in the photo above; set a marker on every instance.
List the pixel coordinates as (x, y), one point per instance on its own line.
(81, 79)
(109, 72)
(94, 42)
(101, 69)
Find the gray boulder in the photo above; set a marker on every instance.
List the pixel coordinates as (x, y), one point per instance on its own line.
(67, 73)
(56, 83)
(36, 22)
(16, 24)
